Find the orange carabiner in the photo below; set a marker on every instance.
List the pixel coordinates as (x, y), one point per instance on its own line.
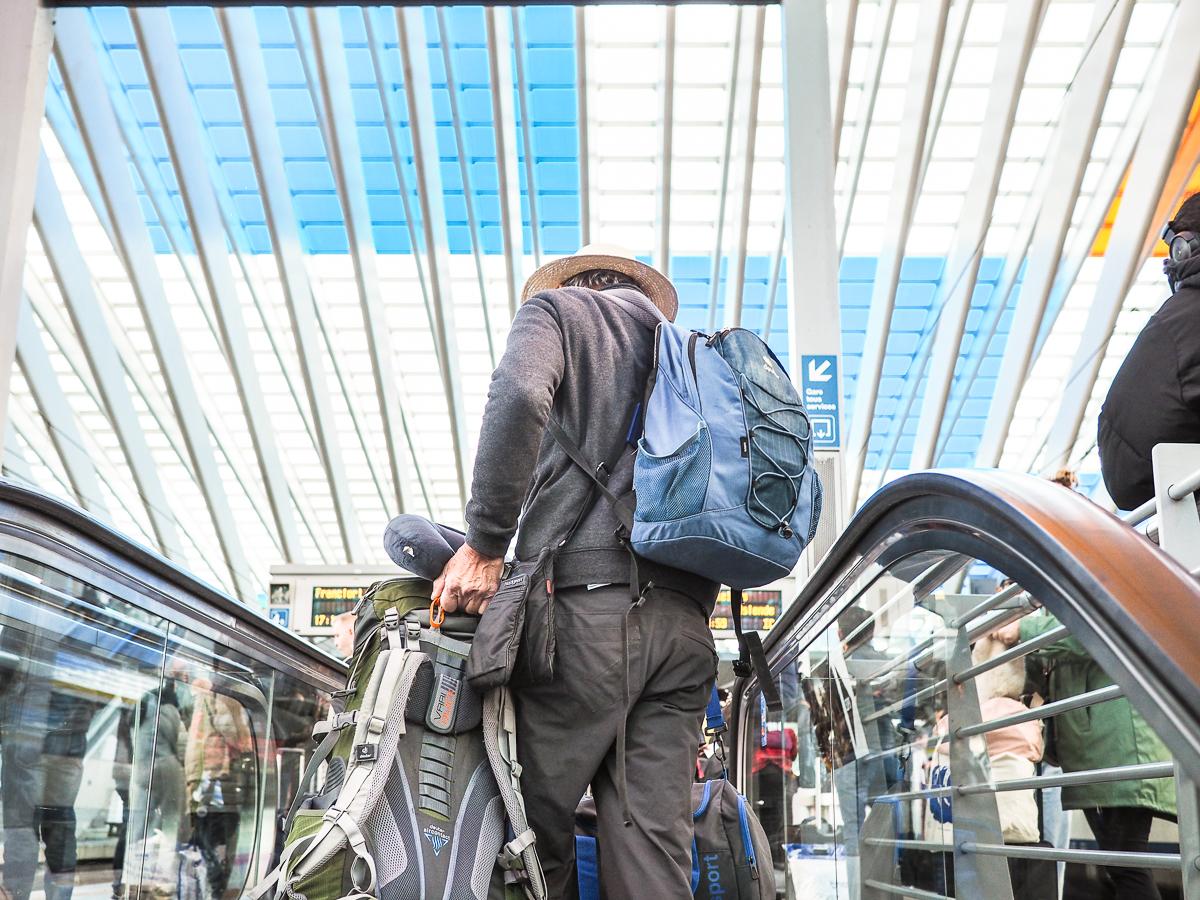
(437, 615)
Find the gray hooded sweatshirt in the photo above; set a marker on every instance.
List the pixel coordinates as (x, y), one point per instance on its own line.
(582, 356)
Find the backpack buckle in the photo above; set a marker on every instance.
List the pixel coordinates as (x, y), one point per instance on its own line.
(601, 474)
(345, 719)
(742, 668)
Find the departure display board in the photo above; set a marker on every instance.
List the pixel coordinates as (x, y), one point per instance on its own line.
(760, 610)
(331, 601)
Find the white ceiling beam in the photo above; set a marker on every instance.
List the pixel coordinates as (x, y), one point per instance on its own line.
(1075, 136)
(1154, 186)
(56, 412)
(841, 45)
(865, 113)
(508, 170)
(15, 465)
(464, 172)
(962, 265)
(956, 27)
(926, 52)
(91, 328)
(735, 284)
(1099, 204)
(250, 81)
(735, 69)
(336, 115)
(418, 89)
(526, 134)
(24, 63)
(386, 75)
(185, 139)
(776, 270)
(34, 434)
(80, 68)
(666, 133)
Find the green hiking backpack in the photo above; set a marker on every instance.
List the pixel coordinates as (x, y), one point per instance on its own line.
(421, 795)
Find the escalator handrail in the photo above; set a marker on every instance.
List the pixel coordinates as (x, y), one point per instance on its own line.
(1135, 609)
(75, 519)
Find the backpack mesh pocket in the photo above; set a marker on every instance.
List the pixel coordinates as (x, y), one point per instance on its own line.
(675, 485)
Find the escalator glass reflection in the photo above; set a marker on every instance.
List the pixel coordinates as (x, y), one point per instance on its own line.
(73, 661)
(912, 725)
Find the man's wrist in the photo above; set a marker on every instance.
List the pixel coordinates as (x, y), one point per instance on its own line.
(485, 546)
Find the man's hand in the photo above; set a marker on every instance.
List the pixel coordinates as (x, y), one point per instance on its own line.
(468, 581)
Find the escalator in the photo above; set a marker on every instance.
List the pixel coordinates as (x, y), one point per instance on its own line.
(152, 729)
(990, 689)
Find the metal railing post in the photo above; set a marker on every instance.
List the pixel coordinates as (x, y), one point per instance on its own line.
(1175, 467)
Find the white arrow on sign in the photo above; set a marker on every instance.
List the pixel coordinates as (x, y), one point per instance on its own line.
(819, 373)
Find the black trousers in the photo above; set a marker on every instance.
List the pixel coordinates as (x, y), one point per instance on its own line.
(567, 736)
(216, 834)
(1127, 830)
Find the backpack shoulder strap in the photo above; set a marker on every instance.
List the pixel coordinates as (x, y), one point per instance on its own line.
(518, 857)
(599, 474)
(752, 659)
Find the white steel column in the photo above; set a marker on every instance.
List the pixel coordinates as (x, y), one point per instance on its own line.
(418, 89)
(585, 156)
(508, 174)
(526, 127)
(1134, 231)
(85, 84)
(250, 80)
(962, 265)
(927, 49)
(841, 41)
(184, 138)
(865, 113)
(332, 98)
(666, 133)
(1076, 134)
(813, 308)
(735, 279)
(464, 173)
(83, 306)
(24, 62)
(714, 280)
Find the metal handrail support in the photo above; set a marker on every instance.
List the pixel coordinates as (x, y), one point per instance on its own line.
(1020, 650)
(1016, 652)
(1176, 480)
(1037, 782)
(1087, 857)
(1079, 701)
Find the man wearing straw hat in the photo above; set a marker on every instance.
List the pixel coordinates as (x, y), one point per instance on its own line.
(634, 663)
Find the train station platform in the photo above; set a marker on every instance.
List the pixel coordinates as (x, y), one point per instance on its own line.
(259, 262)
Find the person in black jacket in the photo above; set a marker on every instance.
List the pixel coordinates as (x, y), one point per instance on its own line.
(1155, 396)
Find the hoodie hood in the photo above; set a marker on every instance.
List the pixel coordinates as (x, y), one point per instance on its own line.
(1188, 274)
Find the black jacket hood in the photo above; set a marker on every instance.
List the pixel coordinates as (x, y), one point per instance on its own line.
(1188, 274)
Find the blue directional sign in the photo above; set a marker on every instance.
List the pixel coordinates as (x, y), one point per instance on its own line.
(280, 616)
(819, 377)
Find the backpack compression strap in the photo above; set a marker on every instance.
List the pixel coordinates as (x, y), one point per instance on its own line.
(714, 727)
(752, 659)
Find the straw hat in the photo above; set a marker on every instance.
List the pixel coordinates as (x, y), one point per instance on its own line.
(653, 283)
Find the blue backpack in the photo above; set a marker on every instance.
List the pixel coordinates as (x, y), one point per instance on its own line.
(724, 483)
(724, 479)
